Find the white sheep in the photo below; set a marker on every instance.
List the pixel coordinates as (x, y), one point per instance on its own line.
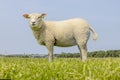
(61, 33)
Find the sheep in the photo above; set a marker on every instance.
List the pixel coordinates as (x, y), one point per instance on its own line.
(64, 33)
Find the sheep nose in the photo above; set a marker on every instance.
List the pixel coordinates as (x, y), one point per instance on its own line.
(33, 23)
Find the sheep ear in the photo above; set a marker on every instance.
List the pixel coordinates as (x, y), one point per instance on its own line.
(43, 15)
(26, 16)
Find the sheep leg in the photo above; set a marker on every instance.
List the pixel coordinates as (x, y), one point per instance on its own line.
(83, 51)
(50, 51)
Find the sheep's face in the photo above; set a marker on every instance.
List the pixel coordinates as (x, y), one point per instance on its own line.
(35, 20)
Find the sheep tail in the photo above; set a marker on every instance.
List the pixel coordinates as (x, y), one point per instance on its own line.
(95, 35)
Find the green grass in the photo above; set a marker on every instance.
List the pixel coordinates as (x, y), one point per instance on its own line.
(60, 69)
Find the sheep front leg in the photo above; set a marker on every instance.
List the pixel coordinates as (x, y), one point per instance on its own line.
(50, 51)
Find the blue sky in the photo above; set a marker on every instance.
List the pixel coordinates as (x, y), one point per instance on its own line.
(16, 36)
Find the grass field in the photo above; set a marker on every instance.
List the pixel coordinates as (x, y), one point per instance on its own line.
(60, 69)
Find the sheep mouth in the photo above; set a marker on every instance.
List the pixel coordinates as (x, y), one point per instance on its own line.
(33, 24)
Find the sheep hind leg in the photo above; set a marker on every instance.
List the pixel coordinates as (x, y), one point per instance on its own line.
(83, 51)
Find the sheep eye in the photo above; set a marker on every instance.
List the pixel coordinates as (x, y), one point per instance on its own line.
(38, 17)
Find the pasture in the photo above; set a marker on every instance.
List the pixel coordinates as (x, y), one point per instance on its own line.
(59, 69)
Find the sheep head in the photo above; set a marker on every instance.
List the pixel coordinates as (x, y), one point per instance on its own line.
(35, 20)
